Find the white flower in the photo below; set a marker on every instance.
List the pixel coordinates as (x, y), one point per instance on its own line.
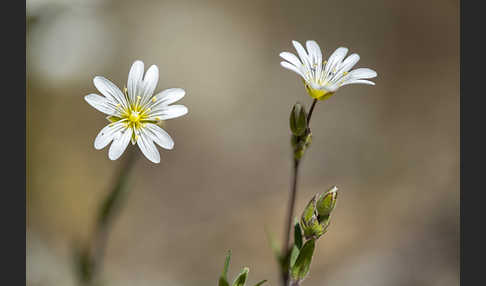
(323, 78)
(135, 112)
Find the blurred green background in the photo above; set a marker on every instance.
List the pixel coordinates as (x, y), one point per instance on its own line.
(393, 148)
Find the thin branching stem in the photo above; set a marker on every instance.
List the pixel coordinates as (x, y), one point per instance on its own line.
(290, 211)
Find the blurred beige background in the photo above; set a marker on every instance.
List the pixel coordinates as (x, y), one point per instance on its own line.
(393, 148)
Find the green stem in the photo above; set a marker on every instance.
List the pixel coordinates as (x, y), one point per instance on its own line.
(107, 212)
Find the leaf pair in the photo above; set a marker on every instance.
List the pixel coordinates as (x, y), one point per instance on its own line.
(240, 279)
(300, 255)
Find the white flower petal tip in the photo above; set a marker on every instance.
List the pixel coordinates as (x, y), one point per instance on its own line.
(132, 113)
(330, 74)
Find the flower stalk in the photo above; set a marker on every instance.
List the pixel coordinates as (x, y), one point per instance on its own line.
(90, 260)
(322, 79)
(300, 143)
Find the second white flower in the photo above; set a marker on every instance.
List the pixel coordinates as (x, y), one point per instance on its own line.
(135, 112)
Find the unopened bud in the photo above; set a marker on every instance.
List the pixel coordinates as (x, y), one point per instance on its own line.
(298, 120)
(327, 201)
(317, 214)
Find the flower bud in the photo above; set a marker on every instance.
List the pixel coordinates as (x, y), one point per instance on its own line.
(316, 216)
(298, 120)
(327, 201)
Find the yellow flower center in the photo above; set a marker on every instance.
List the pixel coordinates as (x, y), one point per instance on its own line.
(319, 94)
(134, 117)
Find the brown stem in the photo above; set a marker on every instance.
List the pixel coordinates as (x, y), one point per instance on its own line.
(310, 112)
(290, 214)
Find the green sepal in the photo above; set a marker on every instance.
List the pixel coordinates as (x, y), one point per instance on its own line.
(298, 120)
(302, 265)
(241, 278)
(309, 211)
(313, 229)
(112, 118)
(297, 235)
(327, 201)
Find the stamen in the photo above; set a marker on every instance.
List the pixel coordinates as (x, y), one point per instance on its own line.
(154, 99)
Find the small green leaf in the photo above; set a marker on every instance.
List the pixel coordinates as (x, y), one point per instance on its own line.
(261, 283)
(294, 253)
(226, 266)
(222, 281)
(297, 235)
(302, 264)
(241, 278)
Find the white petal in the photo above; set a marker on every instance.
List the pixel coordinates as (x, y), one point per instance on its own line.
(120, 143)
(147, 147)
(107, 134)
(335, 59)
(110, 90)
(293, 68)
(100, 103)
(343, 67)
(362, 73)
(169, 96)
(314, 51)
(331, 87)
(291, 58)
(349, 63)
(302, 53)
(159, 136)
(134, 84)
(168, 112)
(358, 81)
(149, 83)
